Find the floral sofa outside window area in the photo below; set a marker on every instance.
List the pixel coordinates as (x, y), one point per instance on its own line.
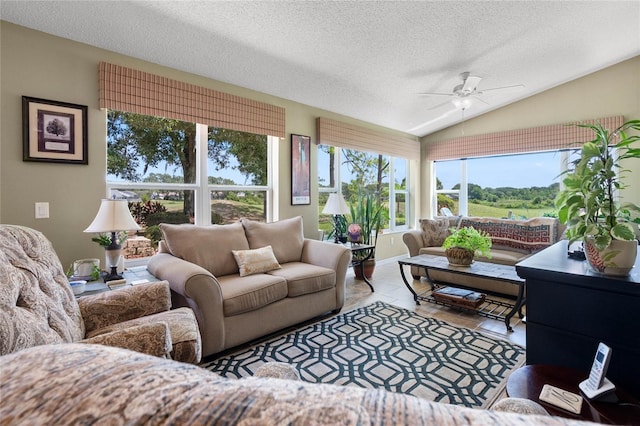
(512, 241)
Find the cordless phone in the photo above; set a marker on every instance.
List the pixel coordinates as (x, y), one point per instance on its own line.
(597, 384)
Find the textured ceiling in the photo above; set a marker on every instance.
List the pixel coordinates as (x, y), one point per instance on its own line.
(366, 60)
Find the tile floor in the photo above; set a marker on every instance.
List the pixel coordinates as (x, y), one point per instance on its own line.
(390, 288)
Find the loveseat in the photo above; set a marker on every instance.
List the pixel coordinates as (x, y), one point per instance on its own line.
(512, 241)
(93, 384)
(248, 279)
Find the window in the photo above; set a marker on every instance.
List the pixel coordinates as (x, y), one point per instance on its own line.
(156, 164)
(355, 173)
(509, 186)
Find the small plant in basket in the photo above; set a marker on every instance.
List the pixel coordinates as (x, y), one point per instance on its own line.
(465, 243)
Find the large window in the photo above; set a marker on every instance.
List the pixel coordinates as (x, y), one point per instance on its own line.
(357, 173)
(179, 172)
(510, 186)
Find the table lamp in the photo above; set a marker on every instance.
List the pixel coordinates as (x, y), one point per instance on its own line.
(335, 206)
(113, 216)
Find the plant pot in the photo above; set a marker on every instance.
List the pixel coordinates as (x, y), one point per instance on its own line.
(459, 256)
(369, 267)
(616, 260)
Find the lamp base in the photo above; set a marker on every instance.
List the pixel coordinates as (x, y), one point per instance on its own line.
(113, 275)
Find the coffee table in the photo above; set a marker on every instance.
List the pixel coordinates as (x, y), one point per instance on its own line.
(491, 308)
(527, 382)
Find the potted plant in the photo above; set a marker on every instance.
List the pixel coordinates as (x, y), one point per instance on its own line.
(367, 212)
(589, 203)
(464, 244)
(339, 228)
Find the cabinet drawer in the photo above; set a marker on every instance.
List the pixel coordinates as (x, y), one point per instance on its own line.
(585, 311)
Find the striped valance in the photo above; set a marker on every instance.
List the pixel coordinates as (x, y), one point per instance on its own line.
(336, 133)
(545, 138)
(130, 90)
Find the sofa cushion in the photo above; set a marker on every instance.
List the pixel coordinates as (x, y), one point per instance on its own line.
(434, 231)
(304, 278)
(525, 236)
(207, 246)
(244, 294)
(255, 261)
(286, 237)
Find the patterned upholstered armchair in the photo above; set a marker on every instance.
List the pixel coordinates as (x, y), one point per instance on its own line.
(37, 306)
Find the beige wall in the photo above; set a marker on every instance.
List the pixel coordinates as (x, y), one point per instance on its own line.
(43, 66)
(612, 91)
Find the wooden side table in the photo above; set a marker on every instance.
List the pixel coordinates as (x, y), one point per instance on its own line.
(527, 382)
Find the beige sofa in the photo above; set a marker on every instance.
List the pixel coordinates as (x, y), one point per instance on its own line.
(92, 384)
(512, 241)
(204, 274)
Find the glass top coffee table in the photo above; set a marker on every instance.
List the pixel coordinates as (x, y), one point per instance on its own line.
(490, 308)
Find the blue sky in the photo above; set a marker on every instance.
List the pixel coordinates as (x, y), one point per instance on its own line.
(517, 171)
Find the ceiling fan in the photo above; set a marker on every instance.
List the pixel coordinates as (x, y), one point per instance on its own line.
(469, 89)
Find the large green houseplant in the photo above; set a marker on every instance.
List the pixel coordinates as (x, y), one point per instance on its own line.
(465, 243)
(589, 203)
(369, 213)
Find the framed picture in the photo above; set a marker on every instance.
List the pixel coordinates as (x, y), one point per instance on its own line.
(54, 132)
(300, 170)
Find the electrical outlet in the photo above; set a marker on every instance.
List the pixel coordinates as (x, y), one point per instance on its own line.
(42, 210)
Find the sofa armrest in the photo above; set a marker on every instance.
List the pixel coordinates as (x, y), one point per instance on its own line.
(413, 240)
(194, 287)
(151, 339)
(113, 307)
(332, 256)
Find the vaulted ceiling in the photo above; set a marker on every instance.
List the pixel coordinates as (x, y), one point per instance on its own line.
(363, 59)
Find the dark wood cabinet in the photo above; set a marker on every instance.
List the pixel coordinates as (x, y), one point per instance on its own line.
(570, 309)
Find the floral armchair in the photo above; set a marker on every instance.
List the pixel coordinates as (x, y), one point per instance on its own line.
(37, 306)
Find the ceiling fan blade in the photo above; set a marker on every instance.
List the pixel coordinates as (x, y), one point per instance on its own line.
(505, 88)
(478, 98)
(436, 94)
(438, 106)
(433, 120)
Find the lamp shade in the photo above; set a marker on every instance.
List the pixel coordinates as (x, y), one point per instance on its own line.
(113, 216)
(335, 205)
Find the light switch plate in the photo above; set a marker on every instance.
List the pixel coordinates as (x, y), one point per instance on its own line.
(42, 210)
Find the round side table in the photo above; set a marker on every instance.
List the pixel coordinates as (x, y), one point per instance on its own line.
(527, 382)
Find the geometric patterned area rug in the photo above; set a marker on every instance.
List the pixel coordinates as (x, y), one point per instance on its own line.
(384, 346)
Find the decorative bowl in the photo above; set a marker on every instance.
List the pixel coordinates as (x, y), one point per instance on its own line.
(78, 286)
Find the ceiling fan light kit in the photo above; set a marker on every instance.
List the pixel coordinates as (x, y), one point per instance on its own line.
(462, 103)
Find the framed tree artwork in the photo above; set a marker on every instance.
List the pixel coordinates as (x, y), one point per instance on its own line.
(300, 170)
(54, 132)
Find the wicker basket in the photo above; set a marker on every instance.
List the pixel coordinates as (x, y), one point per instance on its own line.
(459, 256)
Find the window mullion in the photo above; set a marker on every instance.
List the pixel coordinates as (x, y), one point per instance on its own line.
(202, 195)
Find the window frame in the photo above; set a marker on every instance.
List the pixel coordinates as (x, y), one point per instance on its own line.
(202, 189)
(392, 190)
(462, 193)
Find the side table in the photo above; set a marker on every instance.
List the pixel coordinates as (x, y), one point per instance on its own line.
(527, 382)
(135, 275)
(364, 252)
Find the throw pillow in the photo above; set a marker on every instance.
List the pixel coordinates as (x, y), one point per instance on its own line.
(255, 261)
(434, 231)
(286, 236)
(207, 246)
